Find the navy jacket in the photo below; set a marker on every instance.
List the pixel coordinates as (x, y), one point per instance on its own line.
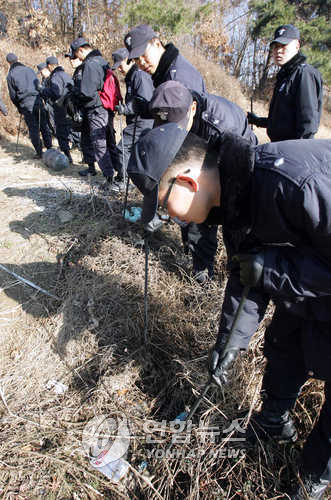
(174, 66)
(22, 84)
(93, 77)
(138, 84)
(296, 104)
(277, 197)
(216, 115)
(57, 85)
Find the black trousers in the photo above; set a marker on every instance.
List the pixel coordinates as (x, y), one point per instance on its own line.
(201, 240)
(131, 135)
(97, 124)
(62, 128)
(291, 361)
(36, 121)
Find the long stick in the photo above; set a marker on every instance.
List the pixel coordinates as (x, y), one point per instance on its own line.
(210, 380)
(18, 133)
(146, 289)
(28, 282)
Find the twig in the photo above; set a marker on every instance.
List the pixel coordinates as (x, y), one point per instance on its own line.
(147, 481)
(28, 282)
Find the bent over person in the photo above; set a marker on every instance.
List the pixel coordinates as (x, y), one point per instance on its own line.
(23, 88)
(274, 205)
(296, 104)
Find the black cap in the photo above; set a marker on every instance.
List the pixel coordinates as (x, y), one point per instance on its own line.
(118, 56)
(41, 66)
(11, 58)
(171, 102)
(285, 34)
(79, 42)
(151, 157)
(70, 54)
(52, 60)
(137, 39)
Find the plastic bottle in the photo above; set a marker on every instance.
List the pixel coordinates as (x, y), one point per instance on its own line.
(55, 160)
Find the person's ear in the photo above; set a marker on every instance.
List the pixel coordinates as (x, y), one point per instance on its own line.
(183, 180)
(194, 108)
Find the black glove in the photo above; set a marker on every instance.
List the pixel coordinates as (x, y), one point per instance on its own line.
(39, 87)
(251, 268)
(153, 225)
(220, 363)
(253, 119)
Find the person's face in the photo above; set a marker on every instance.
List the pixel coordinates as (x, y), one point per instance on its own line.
(75, 63)
(124, 67)
(45, 72)
(185, 198)
(149, 61)
(80, 54)
(284, 53)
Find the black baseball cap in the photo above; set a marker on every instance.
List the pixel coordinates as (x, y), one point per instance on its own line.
(285, 34)
(52, 60)
(118, 56)
(41, 66)
(11, 58)
(77, 43)
(70, 54)
(137, 39)
(152, 155)
(171, 102)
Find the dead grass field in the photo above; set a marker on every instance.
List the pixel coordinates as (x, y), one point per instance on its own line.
(91, 338)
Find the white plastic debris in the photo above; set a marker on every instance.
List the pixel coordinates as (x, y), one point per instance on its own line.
(57, 387)
(115, 470)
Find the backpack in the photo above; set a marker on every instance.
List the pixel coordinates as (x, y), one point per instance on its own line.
(110, 95)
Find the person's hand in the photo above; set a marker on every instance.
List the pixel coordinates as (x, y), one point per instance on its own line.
(251, 268)
(122, 109)
(220, 364)
(252, 118)
(154, 225)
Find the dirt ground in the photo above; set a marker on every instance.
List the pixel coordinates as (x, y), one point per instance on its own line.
(88, 336)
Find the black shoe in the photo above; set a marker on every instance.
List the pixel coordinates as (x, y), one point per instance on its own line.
(265, 426)
(201, 277)
(89, 171)
(119, 186)
(154, 225)
(38, 156)
(312, 488)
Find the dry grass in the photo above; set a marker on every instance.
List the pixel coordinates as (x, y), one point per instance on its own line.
(92, 341)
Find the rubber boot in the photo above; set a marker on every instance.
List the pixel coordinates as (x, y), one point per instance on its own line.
(273, 422)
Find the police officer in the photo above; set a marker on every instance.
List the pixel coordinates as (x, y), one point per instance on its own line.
(138, 85)
(166, 63)
(55, 87)
(95, 117)
(274, 204)
(85, 143)
(296, 104)
(23, 90)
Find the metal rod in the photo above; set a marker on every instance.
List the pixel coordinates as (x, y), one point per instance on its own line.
(18, 133)
(146, 289)
(33, 285)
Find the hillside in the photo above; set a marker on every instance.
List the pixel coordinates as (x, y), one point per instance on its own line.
(89, 335)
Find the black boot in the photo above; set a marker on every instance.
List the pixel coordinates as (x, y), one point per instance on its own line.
(312, 488)
(89, 171)
(273, 422)
(105, 187)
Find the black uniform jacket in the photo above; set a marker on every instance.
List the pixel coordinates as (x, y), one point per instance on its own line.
(276, 197)
(173, 66)
(57, 85)
(93, 76)
(22, 84)
(216, 115)
(138, 84)
(296, 104)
